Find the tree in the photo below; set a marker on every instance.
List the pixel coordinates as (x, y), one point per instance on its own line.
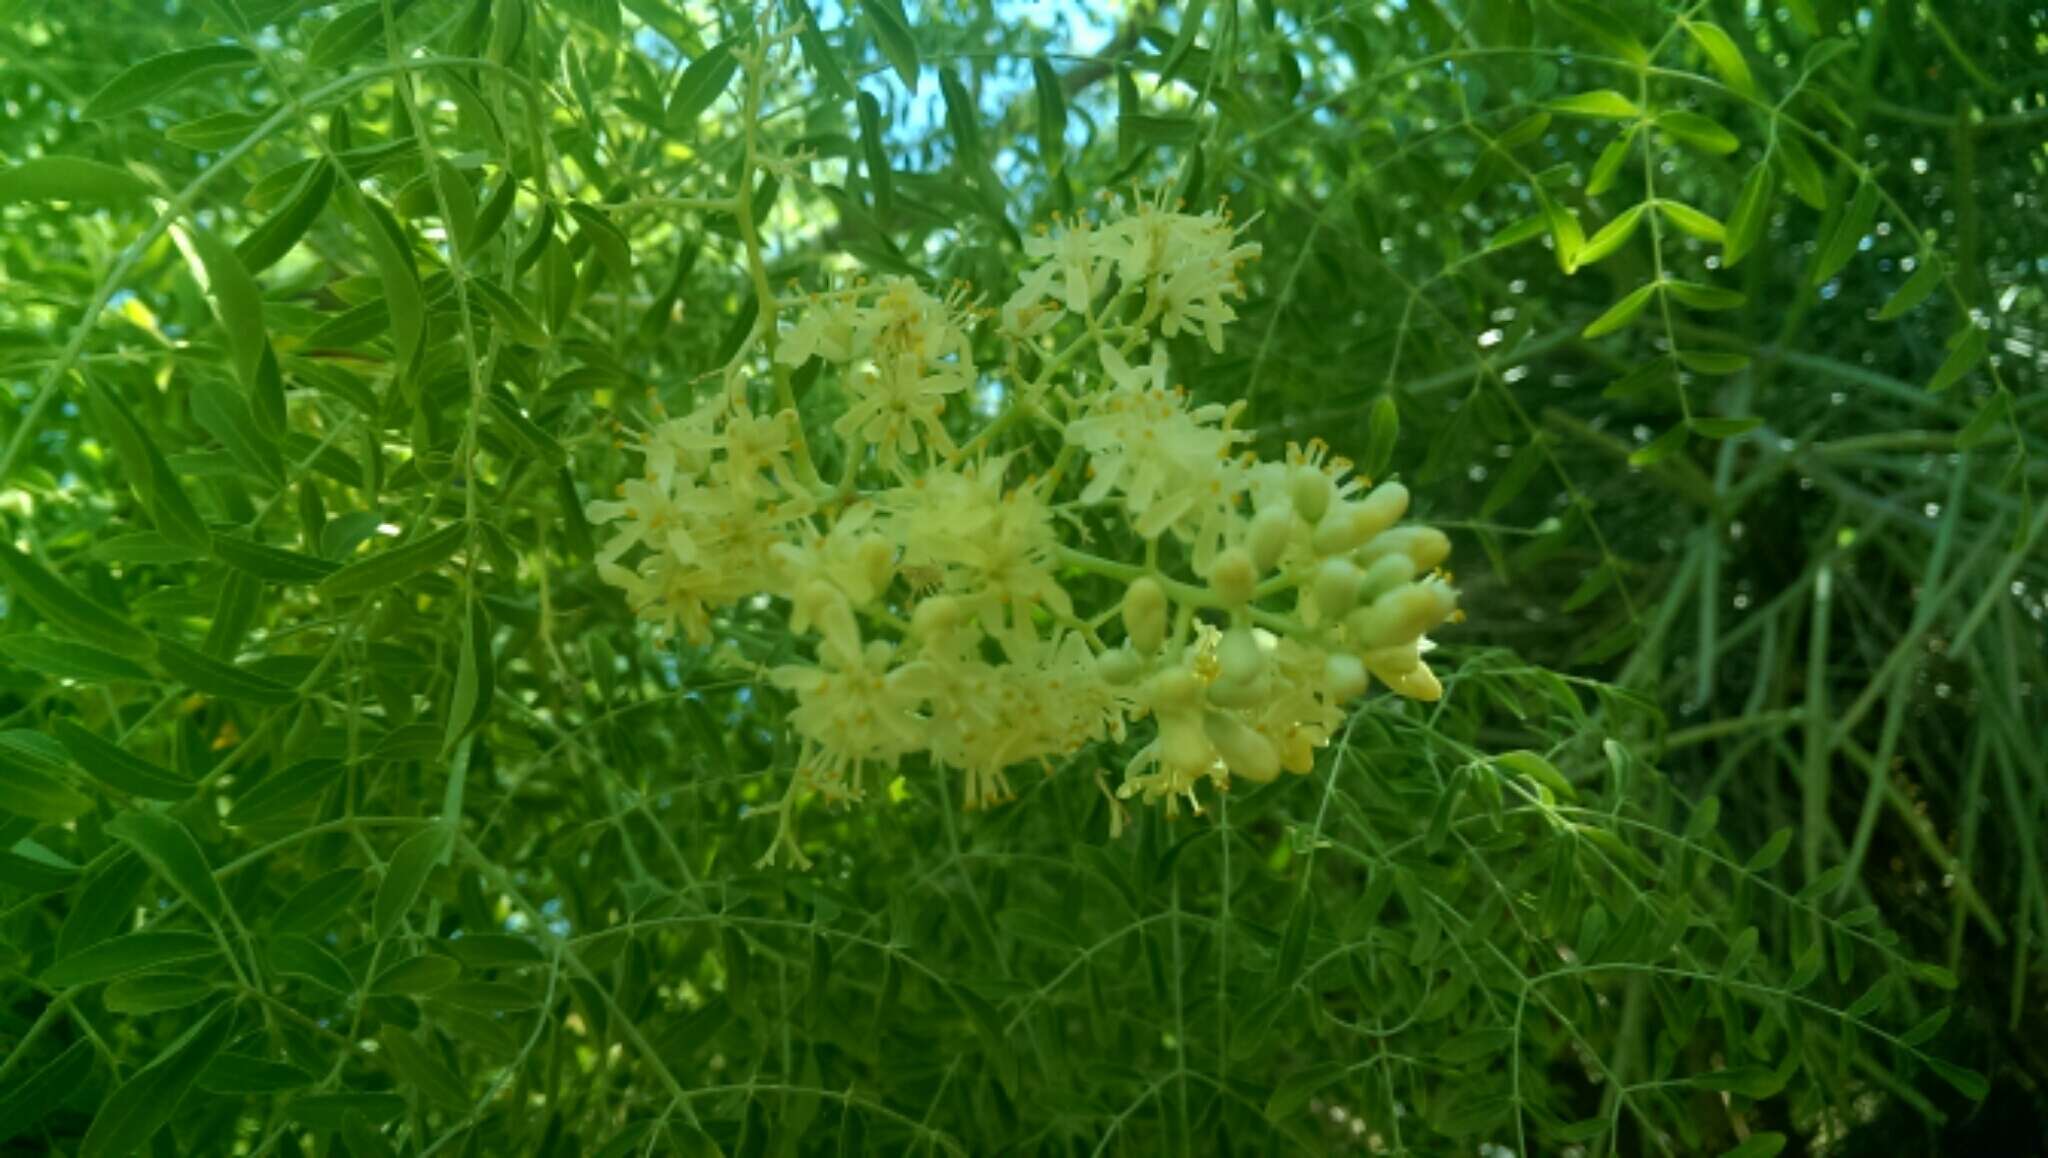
(655, 577)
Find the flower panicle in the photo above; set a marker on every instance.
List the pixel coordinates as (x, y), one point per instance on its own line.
(950, 609)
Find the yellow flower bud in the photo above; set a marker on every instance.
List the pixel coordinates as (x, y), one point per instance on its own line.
(1243, 678)
(1427, 546)
(1144, 612)
(1183, 743)
(1311, 491)
(1385, 575)
(1267, 537)
(1119, 667)
(1174, 689)
(1245, 752)
(1400, 615)
(1344, 675)
(1417, 683)
(1233, 577)
(1336, 587)
(1385, 505)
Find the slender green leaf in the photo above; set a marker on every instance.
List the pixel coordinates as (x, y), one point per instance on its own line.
(133, 953)
(167, 846)
(275, 236)
(1611, 236)
(388, 568)
(33, 787)
(1967, 351)
(1751, 214)
(1916, 289)
(45, 1089)
(406, 875)
(64, 607)
(77, 179)
(64, 659)
(1692, 221)
(209, 676)
(1620, 313)
(161, 75)
(1701, 132)
(225, 415)
(132, 1114)
(1604, 103)
(298, 956)
(113, 766)
(1723, 55)
(702, 83)
(1848, 234)
(893, 37)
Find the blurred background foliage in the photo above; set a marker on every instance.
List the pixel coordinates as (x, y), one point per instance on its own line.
(1712, 333)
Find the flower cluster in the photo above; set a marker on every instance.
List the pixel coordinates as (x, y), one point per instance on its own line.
(949, 605)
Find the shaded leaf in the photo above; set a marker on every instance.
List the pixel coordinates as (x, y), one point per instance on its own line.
(132, 1114)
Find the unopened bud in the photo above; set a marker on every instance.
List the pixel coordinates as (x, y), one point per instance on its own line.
(1400, 615)
(1119, 667)
(1267, 537)
(1336, 587)
(1174, 689)
(1245, 752)
(1344, 676)
(1384, 506)
(1417, 683)
(1233, 577)
(1242, 675)
(1385, 575)
(1427, 546)
(1311, 491)
(1144, 612)
(1183, 745)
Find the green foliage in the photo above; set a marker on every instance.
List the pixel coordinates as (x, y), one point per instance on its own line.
(341, 803)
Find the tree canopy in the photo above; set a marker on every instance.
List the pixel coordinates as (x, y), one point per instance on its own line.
(683, 576)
